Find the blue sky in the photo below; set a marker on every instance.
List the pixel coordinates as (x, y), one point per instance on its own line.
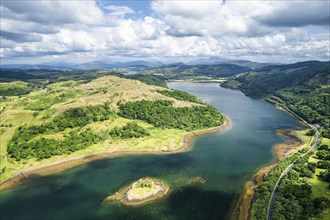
(137, 5)
(37, 31)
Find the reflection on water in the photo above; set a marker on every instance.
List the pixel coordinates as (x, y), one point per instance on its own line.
(225, 160)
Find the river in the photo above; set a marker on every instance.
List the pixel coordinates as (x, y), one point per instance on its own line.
(225, 160)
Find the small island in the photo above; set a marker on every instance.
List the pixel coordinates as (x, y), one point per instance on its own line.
(144, 190)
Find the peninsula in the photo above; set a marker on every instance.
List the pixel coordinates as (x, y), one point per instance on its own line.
(52, 126)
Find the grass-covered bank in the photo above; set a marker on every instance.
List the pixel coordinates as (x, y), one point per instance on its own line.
(55, 165)
(66, 123)
(295, 196)
(243, 209)
(302, 88)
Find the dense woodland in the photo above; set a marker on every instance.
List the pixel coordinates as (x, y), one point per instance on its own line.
(264, 192)
(31, 141)
(294, 198)
(302, 87)
(149, 79)
(180, 95)
(130, 130)
(79, 117)
(14, 91)
(174, 71)
(25, 142)
(161, 113)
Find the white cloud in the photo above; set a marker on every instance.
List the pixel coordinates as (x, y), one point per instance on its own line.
(295, 13)
(82, 30)
(54, 12)
(187, 9)
(208, 18)
(120, 11)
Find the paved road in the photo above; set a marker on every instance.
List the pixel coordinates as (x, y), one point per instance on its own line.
(317, 140)
(273, 196)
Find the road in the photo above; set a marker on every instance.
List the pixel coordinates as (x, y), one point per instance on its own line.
(273, 196)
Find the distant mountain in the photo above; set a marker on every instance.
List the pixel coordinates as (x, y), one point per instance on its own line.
(27, 66)
(217, 60)
(84, 66)
(270, 79)
(302, 87)
(206, 61)
(193, 71)
(93, 65)
(174, 64)
(250, 64)
(138, 64)
(109, 65)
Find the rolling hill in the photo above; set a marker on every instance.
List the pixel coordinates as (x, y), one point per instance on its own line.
(59, 117)
(175, 72)
(303, 88)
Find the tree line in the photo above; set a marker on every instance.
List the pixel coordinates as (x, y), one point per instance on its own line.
(180, 95)
(130, 130)
(294, 196)
(25, 143)
(301, 87)
(161, 113)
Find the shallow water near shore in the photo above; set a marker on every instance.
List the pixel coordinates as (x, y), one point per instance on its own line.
(226, 160)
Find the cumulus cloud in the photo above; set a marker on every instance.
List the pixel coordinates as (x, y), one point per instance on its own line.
(54, 12)
(295, 14)
(120, 11)
(85, 30)
(246, 18)
(17, 37)
(188, 9)
(209, 18)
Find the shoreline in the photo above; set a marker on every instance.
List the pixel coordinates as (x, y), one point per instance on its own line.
(59, 166)
(197, 81)
(243, 208)
(121, 196)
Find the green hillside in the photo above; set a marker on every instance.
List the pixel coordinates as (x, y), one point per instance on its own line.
(302, 87)
(176, 72)
(50, 118)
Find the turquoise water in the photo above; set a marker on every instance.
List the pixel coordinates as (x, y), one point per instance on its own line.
(226, 160)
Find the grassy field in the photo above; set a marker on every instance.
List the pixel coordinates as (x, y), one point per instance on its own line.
(301, 134)
(320, 187)
(41, 105)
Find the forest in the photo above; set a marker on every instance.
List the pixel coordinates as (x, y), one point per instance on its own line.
(148, 79)
(180, 95)
(161, 113)
(302, 88)
(130, 130)
(294, 199)
(14, 91)
(181, 71)
(28, 141)
(79, 117)
(45, 148)
(25, 143)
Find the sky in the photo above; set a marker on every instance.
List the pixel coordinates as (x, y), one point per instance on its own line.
(281, 31)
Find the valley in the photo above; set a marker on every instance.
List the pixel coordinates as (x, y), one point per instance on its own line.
(54, 121)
